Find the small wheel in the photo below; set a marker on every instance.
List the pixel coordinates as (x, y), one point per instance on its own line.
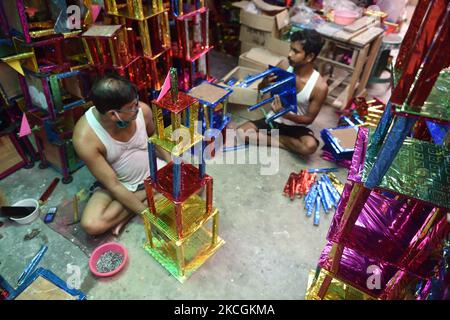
(29, 165)
(43, 165)
(67, 180)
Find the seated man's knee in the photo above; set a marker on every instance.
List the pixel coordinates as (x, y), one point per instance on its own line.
(310, 146)
(91, 225)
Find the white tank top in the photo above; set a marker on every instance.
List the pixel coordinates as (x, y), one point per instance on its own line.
(128, 159)
(303, 98)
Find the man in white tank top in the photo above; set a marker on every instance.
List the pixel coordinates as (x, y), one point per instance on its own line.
(111, 139)
(312, 91)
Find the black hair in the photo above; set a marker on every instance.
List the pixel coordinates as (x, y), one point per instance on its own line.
(310, 40)
(112, 92)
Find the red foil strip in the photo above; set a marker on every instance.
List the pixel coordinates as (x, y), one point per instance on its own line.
(292, 186)
(287, 186)
(150, 198)
(412, 32)
(209, 194)
(438, 59)
(417, 53)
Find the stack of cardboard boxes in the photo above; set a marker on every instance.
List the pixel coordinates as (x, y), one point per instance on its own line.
(260, 47)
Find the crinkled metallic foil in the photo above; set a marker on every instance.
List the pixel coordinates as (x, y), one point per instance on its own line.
(191, 182)
(420, 170)
(357, 165)
(424, 39)
(383, 229)
(389, 150)
(355, 269)
(336, 183)
(437, 105)
(337, 290)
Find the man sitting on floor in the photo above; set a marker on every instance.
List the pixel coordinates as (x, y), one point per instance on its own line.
(111, 139)
(312, 89)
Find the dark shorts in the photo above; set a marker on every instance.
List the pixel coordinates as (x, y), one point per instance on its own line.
(285, 130)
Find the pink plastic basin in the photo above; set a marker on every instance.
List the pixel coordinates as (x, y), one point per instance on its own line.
(110, 246)
(345, 17)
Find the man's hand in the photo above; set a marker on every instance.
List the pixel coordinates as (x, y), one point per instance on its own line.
(276, 104)
(268, 80)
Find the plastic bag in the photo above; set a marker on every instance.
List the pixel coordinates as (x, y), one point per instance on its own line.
(306, 17)
(394, 9)
(329, 5)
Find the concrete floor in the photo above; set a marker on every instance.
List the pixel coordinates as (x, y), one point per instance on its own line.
(270, 244)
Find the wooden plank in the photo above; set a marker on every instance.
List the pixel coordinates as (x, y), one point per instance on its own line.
(335, 63)
(367, 36)
(360, 24)
(374, 48)
(336, 82)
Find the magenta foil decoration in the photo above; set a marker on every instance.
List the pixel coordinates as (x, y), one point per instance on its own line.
(359, 270)
(425, 256)
(357, 164)
(335, 223)
(383, 229)
(23, 20)
(328, 156)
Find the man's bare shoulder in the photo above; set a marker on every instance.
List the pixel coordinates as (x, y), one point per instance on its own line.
(321, 85)
(146, 110)
(84, 138)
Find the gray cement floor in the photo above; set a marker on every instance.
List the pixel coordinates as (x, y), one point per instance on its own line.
(270, 244)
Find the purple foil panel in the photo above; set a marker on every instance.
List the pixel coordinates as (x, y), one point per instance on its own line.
(383, 229)
(423, 258)
(326, 155)
(337, 218)
(357, 165)
(366, 274)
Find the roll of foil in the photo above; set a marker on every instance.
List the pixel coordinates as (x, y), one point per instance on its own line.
(317, 211)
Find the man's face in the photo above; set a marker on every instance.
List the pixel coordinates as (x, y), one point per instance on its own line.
(297, 56)
(127, 113)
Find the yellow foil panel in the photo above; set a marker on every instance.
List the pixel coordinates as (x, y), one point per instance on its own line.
(193, 217)
(196, 251)
(171, 146)
(337, 290)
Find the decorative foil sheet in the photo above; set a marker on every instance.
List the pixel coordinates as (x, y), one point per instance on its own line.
(421, 170)
(183, 102)
(193, 212)
(193, 253)
(337, 290)
(437, 105)
(191, 182)
(356, 269)
(175, 148)
(384, 228)
(359, 155)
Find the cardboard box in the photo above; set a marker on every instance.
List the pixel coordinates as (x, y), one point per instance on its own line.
(261, 58)
(275, 19)
(278, 46)
(255, 36)
(241, 111)
(247, 46)
(243, 96)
